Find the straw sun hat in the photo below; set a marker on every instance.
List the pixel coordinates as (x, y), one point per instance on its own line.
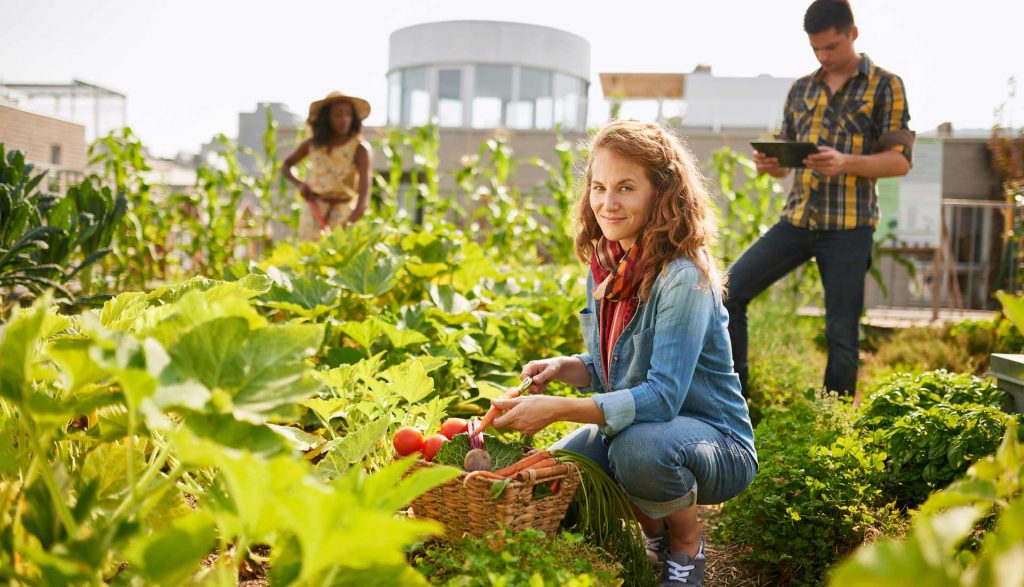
(362, 107)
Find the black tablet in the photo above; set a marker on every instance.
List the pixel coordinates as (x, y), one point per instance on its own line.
(789, 153)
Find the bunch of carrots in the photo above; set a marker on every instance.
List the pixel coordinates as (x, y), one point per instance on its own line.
(539, 461)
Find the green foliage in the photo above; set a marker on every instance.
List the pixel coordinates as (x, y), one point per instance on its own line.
(919, 349)
(934, 554)
(48, 241)
(601, 512)
(385, 291)
(931, 427)
(172, 392)
(982, 337)
(1013, 308)
(525, 558)
(227, 214)
(783, 356)
(815, 497)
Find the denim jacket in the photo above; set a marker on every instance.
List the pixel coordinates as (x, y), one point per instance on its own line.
(673, 358)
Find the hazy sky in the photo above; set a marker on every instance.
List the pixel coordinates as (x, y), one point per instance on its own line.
(188, 67)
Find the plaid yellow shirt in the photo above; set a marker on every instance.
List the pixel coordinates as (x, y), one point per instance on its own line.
(867, 115)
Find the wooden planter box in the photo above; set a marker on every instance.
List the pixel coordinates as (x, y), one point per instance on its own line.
(1009, 373)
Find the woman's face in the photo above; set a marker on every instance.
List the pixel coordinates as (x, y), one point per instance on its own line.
(621, 196)
(341, 117)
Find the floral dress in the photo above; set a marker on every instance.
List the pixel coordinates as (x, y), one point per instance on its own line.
(334, 177)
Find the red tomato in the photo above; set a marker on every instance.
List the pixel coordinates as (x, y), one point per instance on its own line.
(407, 441)
(453, 426)
(431, 445)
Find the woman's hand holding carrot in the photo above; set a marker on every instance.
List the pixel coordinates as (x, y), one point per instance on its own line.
(527, 414)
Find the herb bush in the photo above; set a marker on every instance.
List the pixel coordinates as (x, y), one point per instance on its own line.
(815, 497)
(930, 428)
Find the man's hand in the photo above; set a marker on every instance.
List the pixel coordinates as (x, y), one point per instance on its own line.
(769, 165)
(526, 414)
(827, 161)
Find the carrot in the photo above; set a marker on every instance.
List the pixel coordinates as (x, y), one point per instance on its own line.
(524, 474)
(493, 412)
(483, 474)
(524, 463)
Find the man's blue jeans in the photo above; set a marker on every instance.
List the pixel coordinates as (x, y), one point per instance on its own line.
(843, 258)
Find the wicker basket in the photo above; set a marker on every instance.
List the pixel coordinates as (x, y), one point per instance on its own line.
(470, 508)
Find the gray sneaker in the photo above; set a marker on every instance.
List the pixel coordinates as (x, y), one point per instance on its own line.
(680, 569)
(657, 547)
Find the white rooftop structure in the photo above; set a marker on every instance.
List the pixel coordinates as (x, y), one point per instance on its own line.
(720, 103)
(699, 100)
(487, 74)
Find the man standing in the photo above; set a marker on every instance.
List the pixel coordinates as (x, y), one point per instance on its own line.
(856, 112)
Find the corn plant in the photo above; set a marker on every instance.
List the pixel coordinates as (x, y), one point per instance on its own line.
(140, 245)
(751, 208)
(557, 231)
(410, 188)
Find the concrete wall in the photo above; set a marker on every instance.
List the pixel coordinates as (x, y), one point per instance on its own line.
(966, 170)
(35, 135)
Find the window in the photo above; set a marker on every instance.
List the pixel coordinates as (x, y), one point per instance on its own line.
(491, 95)
(55, 154)
(395, 98)
(415, 97)
(533, 109)
(449, 97)
(570, 101)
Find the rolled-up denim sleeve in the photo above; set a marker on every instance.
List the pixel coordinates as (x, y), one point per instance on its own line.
(618, 408)
(595, 381)
(684, 311)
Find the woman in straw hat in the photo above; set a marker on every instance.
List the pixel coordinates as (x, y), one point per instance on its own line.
(337, 188)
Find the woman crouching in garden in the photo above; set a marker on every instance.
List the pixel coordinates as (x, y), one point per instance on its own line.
(667, 420)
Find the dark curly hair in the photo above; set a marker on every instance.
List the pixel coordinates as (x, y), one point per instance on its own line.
(322, 130)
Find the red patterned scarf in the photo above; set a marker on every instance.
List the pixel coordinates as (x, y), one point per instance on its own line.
(616, 273)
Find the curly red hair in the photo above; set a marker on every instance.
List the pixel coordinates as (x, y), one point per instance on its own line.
(682, 221)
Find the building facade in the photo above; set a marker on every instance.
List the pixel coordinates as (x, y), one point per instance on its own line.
(50, 143)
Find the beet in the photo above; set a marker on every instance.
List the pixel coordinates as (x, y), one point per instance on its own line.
(477, 460)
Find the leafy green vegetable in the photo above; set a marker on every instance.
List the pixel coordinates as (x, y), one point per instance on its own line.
(502, 453)
(454, 451)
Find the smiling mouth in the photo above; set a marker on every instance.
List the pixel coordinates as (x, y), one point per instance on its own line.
(612, 220)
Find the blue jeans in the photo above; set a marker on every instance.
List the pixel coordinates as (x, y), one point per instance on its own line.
(665, 467)
(843, 258)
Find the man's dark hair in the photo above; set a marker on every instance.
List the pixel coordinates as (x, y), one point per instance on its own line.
(826, 14)
(322, 130)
